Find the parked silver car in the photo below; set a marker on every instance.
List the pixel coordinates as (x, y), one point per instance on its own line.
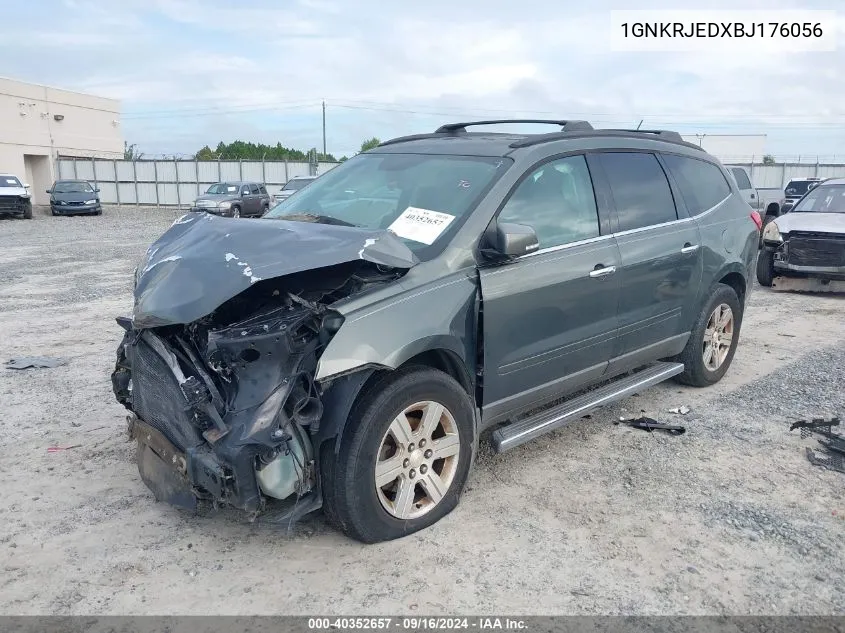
(292, 186)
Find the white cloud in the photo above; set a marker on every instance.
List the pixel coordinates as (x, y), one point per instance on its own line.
(260, 68)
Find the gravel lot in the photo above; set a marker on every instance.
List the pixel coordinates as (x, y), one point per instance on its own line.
(594, 519)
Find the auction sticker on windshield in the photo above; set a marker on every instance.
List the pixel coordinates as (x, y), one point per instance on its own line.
(421, 225)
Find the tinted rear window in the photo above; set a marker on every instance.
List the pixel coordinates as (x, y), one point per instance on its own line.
(702, 184)
(741, 178)
(640, 189)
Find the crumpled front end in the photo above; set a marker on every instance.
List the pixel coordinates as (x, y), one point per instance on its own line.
(224, 407)
(811, 254)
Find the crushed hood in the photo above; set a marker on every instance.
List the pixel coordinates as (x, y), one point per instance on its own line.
(811, 222)
(204, 260)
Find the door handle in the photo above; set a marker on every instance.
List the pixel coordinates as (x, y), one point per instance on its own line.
(602, 271)
(689, 248)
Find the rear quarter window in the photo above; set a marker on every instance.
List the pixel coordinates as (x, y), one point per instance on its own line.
(702, 184)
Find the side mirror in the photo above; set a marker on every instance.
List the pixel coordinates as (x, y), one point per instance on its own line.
(26, 185)
(49, 191)
(513, 240)
(96, 191)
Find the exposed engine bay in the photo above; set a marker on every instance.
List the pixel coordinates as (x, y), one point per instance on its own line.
(224, 407)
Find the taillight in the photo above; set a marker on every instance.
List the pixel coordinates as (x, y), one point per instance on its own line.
(755, 217)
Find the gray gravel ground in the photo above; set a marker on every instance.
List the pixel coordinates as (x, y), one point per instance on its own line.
(729, 518)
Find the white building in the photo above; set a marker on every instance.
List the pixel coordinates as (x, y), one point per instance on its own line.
(39, 123)
(731, 148)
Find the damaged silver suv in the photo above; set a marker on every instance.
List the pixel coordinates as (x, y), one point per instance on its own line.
(347, 350)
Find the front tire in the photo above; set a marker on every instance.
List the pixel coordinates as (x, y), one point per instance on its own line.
(766, 268)
(713, 340)
(27, 215)
(403, 458)
(236, 212)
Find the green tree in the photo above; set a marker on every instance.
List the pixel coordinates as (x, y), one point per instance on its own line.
(370, 144)
(242, 150)
(768, 159)
(130, 152)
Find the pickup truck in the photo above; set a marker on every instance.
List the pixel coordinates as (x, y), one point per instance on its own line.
(767, 202)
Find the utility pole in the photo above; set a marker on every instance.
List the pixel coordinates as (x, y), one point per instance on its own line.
(324, 129)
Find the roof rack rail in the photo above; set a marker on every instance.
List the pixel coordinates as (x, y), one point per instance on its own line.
(461, 128)
(667, 134)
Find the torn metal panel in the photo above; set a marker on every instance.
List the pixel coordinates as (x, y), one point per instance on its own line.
(808, 284)
(35, 362)
(202, 261)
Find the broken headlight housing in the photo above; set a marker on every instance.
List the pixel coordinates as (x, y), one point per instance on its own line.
(772, 233)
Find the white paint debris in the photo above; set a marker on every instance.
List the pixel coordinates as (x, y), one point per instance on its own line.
(680, 410)
(230, 257)
(370, 241)
(172, 258)
(188, 217)
(227, 234)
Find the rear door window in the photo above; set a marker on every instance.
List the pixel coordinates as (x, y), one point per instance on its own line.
(640, 189)
(263, 190)
(253, 189)
(702, 184)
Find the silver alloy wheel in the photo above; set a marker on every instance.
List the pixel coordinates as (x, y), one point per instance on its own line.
(718, 336)
(236, 212)
(417, 460)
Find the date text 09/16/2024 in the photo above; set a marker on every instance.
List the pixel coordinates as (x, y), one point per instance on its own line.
(419, 623)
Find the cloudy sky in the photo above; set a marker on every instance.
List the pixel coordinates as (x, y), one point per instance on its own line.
(194, 72)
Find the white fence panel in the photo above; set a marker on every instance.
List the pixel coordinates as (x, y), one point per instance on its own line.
(188, 193)
(207, 171)
(322, 168)
(831, 171)
(230, 170)
(145, 171)
(186, 170)
(108, 192)
(276, 173)
(65, 170)
(298, 169)
(127, 192)
(125, 172)
(252, 171)
(166, 171)
(167, 194)
(104, 171)
(84, 170)
(147, 193)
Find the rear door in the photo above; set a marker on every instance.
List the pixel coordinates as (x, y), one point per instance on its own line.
(255, 199)
(661, 256)
(549, 317)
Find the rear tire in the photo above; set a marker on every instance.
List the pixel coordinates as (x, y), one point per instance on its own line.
(264, 209)
(699, 369)
(421, 454)
(765, 268)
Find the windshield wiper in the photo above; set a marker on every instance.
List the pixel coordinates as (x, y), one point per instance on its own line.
(313, 217)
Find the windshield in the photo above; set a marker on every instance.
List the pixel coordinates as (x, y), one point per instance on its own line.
(416, 196)
(73, 187)
(829, 199)
(222, 187)
(800, 187)
(296, 185)
(9, 181)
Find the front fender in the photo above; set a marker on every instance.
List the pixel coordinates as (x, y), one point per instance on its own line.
(439, 315)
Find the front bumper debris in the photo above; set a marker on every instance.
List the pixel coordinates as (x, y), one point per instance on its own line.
(162, 466)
